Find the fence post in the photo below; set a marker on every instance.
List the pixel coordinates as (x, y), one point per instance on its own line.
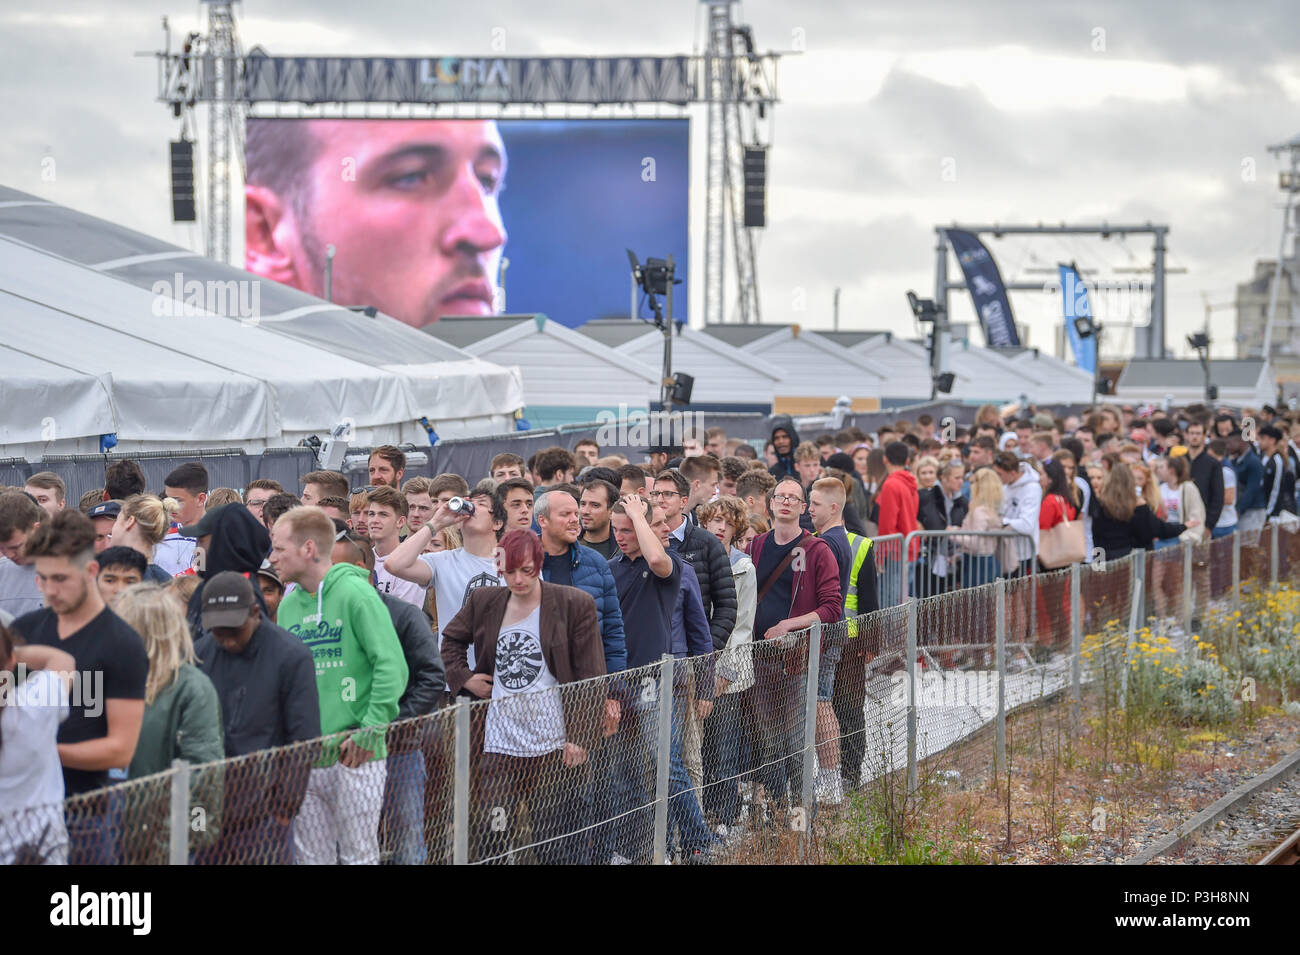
(810, 725)
(905, 573)
(1135, 613)
(1272, 557)
(1076, 647)
(179, 842)
(663, 755)
(911, 695)
(1189, 599)
(460, 787)
(1000, 661)
(1236, 570)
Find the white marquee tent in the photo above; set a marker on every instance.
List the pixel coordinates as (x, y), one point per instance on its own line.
(725, 376)
(105, 330)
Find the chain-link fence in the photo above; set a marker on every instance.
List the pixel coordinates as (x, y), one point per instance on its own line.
(735, 756)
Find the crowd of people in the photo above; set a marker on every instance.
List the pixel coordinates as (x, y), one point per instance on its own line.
(313, 625)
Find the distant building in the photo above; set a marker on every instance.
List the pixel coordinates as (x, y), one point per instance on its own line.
(1252, 317)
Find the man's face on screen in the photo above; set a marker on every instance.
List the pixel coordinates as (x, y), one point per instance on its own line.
(412, 209)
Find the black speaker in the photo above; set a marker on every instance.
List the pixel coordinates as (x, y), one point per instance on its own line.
(755, 187)
(682, 385)
(183, 181)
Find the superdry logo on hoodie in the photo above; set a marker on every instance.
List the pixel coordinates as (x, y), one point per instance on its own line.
(314, 634)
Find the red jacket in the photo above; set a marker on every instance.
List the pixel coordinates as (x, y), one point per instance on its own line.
(899, 503)
(1055, 510)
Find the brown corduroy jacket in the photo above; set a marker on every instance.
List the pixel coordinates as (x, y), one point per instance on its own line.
(570, 643)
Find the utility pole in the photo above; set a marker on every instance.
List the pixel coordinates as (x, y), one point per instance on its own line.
(1289, 183)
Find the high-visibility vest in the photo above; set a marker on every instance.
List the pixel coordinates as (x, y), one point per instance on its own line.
(861, 547)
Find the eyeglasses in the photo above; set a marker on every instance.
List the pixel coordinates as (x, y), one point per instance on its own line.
(662, 494)
(786, 499)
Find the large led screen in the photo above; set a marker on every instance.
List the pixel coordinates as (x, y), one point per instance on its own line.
(437, 217)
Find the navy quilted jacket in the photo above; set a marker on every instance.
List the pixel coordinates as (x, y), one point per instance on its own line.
(591, 574)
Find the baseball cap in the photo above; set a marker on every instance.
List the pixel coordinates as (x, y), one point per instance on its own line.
(266, 570)
(105, 509)
(227, 598)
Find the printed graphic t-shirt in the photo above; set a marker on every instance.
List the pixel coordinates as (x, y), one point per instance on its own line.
(455, 574)
(525, 718)
(386, 583)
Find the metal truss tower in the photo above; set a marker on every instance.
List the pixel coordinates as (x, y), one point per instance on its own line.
(735, 88)
(225, 123)
(737, 84)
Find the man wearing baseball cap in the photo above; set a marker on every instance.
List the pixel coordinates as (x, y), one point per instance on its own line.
(266, 682)
(104, 516)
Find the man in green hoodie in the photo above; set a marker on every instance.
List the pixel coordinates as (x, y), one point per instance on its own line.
(360, 675)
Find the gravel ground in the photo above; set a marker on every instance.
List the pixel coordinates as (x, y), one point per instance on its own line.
(1249, 833)
(1205, 772)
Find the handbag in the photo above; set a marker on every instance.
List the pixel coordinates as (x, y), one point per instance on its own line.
(1062, 545)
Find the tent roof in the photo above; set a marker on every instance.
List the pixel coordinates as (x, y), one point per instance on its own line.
(849, 338)
(461, 331)
(178, 348)
(617, 332)
(1179, 372)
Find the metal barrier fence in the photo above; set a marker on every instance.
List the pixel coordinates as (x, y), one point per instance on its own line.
(941, 561)
(725, 757)
(227, 467)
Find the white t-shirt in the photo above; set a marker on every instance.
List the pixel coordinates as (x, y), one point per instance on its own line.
(31, 777)
(18, 591)
(175, 554)
(455, 574)
(1173, 501)
(525, 718)
(385, 582)
(1228, 516)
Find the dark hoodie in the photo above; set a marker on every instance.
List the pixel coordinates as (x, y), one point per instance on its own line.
(784, 466)
(240, 543)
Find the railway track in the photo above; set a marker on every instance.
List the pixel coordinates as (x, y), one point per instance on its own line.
(1288, 853)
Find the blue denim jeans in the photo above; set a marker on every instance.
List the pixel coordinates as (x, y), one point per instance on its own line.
(1218, 532)
(404, 807)
(94, 834)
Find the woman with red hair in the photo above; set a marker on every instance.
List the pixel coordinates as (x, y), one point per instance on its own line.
(531, 639)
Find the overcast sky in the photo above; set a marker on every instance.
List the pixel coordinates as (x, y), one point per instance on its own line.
(895, 116)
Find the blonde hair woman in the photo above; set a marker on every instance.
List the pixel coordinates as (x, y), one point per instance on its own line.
(926, 470)
(988, 414)
(979, 554)
(182, 718)
(141, 525)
